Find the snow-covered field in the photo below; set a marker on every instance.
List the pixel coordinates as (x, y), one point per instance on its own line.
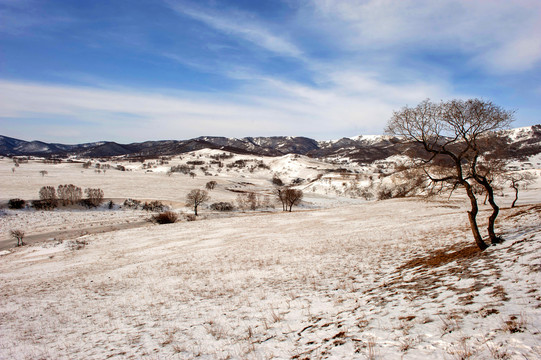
(337, 278)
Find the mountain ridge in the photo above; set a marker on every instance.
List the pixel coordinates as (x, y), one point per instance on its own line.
(524, 141)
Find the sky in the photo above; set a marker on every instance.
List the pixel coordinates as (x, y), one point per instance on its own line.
(136, 70)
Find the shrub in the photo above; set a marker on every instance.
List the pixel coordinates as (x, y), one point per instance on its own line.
(222, 206)
(16, 203)
(154, 206)
(183, 169)
(211, 185)
(248, 200)
(43, 205)
(191, 217)
(385, 193)
(132, 204)
(167, 217)
(277, 181)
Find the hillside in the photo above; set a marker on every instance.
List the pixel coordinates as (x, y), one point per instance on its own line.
(343, 276)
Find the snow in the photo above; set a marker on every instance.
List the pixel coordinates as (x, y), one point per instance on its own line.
(339, 277)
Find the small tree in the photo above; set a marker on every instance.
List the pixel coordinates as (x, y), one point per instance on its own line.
(69, 194)
(289, 197)
(94, 197)
(196, 197)
(518, 180)
(17, 235)
(455, 138)
(211, 185)
(293, 197)
(43, 173)
(47, 195)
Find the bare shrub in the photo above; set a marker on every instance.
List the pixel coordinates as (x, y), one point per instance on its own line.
(69, 194)
(277, 181)
(43, 172)
(77, 244)
(183, 169)
(94, 197)
(167, 217)
(190, 217)
(154, 206)
(17, 235)
(222, 206)
(16, 203)
(132, 203)
(211, 185)
(515, 324)
(248, 200)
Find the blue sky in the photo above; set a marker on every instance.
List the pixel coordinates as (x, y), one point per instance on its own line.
(135, 70)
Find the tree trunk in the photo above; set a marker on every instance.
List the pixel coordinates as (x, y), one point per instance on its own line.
(494, 239)
(516, 196)
(195, 210)
(472, 215)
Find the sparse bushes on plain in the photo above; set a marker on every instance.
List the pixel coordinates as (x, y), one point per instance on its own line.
(16, 204)
(167, 217)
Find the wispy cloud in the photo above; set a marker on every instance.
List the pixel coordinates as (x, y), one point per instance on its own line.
(500, 34)
(240, 25)
(263, 106)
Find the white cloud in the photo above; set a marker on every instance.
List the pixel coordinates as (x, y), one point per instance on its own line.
(500, 34)
(240, 25)
(349, 102)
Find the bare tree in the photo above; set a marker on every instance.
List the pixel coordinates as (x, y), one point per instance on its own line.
(518, 180)
(69, 194)
(94, 197)
(48, 195)
(289, 197)
(43, 173)
(281, 195)
(17, 235)
(196, 197)
(454, 136)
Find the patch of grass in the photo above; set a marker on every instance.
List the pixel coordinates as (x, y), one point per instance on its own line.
(442, 257)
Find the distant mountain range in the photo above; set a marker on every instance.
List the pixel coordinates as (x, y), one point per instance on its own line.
(524, 142)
